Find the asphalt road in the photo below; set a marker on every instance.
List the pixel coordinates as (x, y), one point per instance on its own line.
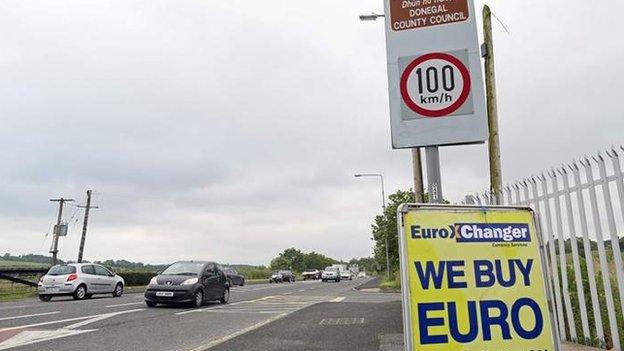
(125, 323)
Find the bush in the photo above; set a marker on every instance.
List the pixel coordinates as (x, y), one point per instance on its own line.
(136, 278)
(255, 272)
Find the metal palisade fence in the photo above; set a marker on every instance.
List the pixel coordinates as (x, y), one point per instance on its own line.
(580, 207)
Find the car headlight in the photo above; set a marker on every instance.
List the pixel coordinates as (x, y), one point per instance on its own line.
(154, 281)
(189, 281)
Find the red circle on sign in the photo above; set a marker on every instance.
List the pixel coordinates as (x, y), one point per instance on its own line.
(447, 110)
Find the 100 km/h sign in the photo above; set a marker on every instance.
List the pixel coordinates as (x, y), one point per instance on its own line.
(435, 82)
(435, 85)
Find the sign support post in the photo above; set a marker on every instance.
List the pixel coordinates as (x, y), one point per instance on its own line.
(434, 180)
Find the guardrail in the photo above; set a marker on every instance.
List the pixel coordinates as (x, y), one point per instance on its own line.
(576, 207)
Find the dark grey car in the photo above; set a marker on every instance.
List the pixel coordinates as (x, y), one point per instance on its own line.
(235, 277)
(194, 282)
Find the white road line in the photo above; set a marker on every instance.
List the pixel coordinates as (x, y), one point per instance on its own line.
(240, 332)
(288, 293)
(66, 320)
(302, 290)
(29, 315)
(338, 299)
(126, 304)
(100, 317)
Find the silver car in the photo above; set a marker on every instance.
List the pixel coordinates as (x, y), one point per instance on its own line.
(80, 280)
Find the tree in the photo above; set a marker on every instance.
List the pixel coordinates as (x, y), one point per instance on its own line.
(298, 261)
(385, 226)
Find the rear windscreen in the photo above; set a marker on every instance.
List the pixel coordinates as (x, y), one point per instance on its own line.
(62, 270)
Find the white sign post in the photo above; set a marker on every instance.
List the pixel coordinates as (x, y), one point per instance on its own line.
(435, 80)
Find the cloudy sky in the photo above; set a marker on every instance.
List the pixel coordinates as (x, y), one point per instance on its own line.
(231, 130)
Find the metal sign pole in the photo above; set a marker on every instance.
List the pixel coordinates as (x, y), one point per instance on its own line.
(433, 174)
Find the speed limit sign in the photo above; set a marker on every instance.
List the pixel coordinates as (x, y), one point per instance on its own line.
(435, 79)
(435, 85)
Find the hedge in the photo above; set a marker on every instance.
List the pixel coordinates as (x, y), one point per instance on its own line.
(137, 278)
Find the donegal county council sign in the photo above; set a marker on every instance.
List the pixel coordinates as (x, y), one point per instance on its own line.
(413, 14)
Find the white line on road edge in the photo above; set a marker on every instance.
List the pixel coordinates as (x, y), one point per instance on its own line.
(29, 315)
(288, 293)
(240, 332)
(338, 299)
(126, 304)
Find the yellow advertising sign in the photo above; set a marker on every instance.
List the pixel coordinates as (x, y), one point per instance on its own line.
(475, 280)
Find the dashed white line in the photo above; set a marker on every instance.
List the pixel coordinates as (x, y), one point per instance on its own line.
(288, 293)
(338, 299)
(29, 315)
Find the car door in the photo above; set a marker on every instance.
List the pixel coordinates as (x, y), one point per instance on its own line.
(87, 274)
(211, 281)
(104, 280)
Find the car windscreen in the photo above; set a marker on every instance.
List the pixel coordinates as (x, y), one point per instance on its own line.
(61, 270)
(183, 268)
(331, 269)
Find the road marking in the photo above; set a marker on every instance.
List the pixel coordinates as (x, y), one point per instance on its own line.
(126, 304)
(29, 315)
(66, 320)
(338, 299)
(288, 293)
(240, 332)
(28, 337)
(302, 290)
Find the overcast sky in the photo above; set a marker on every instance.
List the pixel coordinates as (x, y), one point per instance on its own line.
(230, 130)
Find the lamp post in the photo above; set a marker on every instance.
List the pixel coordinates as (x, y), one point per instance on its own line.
(383, 204)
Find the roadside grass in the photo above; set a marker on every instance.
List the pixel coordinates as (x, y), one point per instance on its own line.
(4, 264)
(394, 283)
(14, 291)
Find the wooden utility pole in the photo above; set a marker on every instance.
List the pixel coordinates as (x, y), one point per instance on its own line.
(84, 225)
(419, 193)
(57, 228)
(492, 111)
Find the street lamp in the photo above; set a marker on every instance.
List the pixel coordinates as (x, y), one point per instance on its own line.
(383, 204)
(372, 17)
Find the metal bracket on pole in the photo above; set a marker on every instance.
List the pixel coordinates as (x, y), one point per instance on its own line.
(433, 174)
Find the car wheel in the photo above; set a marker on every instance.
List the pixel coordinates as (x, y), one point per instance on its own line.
(118, 290)
(226, 296)
(243, 282)
(198, 299)
(45, 298)
(80, 292)
(150, 303)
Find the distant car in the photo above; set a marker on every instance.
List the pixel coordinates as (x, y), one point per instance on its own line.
(194, 282)
(331, 273)
(312, 274)
(234, 276)
(362, 275)
(282, 276)
(346, 275)
(80, 280)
